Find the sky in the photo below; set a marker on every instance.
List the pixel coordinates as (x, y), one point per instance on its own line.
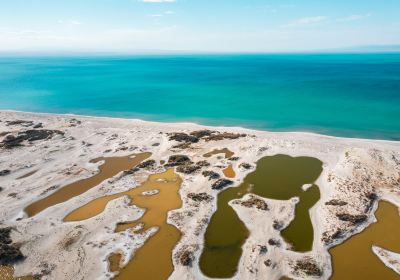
(130, 26)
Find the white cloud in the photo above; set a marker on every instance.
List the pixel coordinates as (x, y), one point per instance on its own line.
(306, 21)
(169, 12)
(354, 17)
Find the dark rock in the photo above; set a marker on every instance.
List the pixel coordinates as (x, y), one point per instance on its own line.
(130, 171)
(221, 183)
(183, 137)
(147, 164)
(254, 201)
(155, 144)
(200, 197)
(309, 267)
(5, 172)
(353, 219)
(1, 189)
(245, 165)
(188, 168)
(177, 160)
(9, 252)
(210, 174)
(336, 202)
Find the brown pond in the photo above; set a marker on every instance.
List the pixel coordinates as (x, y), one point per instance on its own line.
(110, 167)
(114, 262)
(7, 272)
(229, 172)
(154, 259)
(354, 258)
(225, 151)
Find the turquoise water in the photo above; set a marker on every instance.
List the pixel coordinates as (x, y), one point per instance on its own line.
(354, 95)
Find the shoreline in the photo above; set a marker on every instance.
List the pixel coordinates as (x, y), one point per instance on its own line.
(188, 123)
(62, 160)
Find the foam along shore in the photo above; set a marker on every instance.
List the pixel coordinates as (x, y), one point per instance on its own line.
(357, 173)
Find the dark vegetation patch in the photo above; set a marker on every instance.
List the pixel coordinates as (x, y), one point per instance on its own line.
(210, 174)
(274, 242)
(208, 135)
(308, 266)
(221, 183)
(176, 160)
(147, 164)
(353, 219)
(188, 168)
(19, 122)
(336, 202)
(5, 172)
(185, 257)
(198, 197)
(11, 141)
(9, 252)
(245, 165)
(255, 202)
(234, 158)
(182, 137)
(277, 225)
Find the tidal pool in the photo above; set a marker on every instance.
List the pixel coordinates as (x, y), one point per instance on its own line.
(154, 259)
(110, 167)
(354, 258)
(229, 172)
(276, 177)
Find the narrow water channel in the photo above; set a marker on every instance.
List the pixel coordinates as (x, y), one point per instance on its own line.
(110, 167)
(354, 259)
(276, 177)
(154, 259)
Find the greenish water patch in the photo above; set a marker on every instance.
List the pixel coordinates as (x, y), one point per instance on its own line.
(276, 177)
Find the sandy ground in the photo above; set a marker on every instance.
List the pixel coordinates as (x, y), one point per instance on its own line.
(357, 173)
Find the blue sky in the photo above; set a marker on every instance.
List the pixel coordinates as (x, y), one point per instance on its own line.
(196, 25)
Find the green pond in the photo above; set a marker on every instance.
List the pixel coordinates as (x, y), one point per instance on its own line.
(277, 177)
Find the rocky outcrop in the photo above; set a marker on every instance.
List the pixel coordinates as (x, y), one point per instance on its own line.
(307, 266)
(353, 219)
(255, 202)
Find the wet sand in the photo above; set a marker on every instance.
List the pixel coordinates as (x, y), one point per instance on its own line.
(7, 273)
(110, 167)
(354, 259)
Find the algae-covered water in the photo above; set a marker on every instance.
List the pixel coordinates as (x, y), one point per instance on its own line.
(276, 177)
